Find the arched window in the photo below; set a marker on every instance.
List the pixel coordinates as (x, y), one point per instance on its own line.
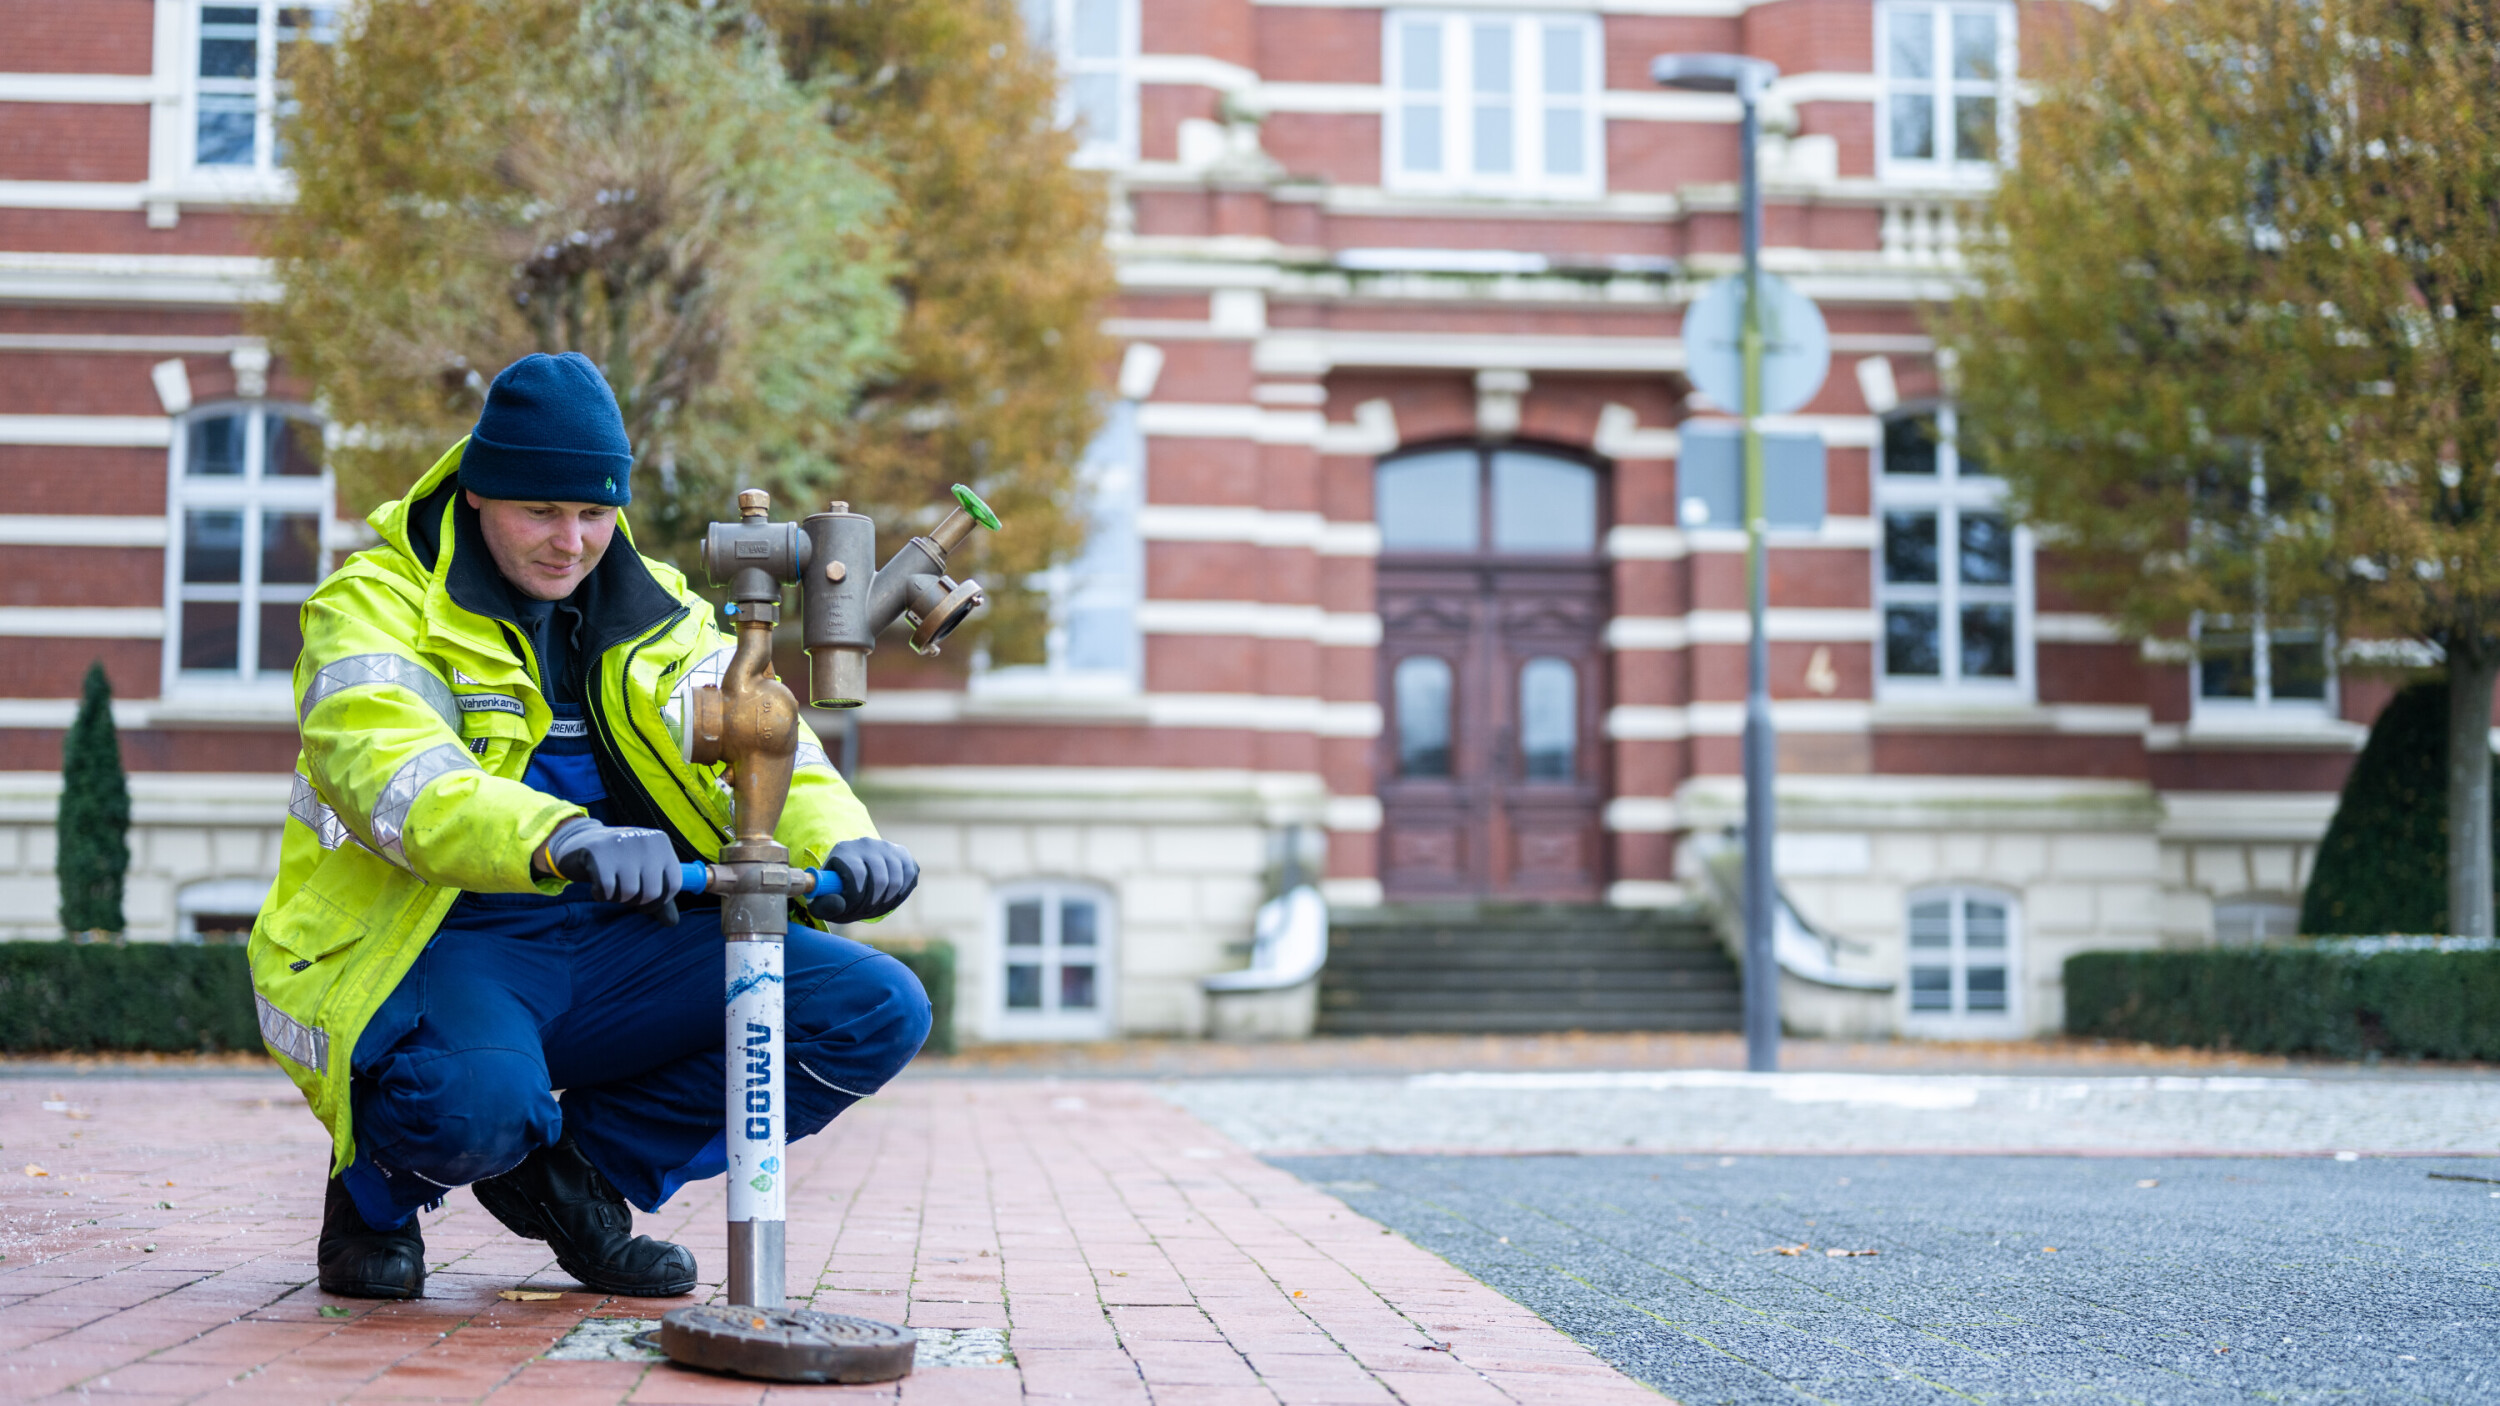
(1483, 499)
(249, 499)
(1549, 719)
(1421, 689)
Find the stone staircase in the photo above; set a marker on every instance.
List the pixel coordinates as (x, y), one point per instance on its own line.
(1489, 969)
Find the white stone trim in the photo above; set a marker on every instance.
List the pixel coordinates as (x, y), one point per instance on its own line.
(1353, 814)
(1197, 69)
(1349, 893)
(156, 797)
(1253, 711)
(1305, 352)
(1620, 436)
(1641, 815)
(2247, 816)
(1645, 893)
(1264, 527)
(134, 622)
(1736, 627)
(89, 431)
(72, 195)
(1259, 619)
(214, 279)
(116, 88)
(143, 344)
(80, 530)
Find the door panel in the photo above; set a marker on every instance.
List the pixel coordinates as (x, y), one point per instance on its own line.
(1514, 813)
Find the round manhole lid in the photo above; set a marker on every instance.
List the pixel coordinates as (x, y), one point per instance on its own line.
(787, 1344)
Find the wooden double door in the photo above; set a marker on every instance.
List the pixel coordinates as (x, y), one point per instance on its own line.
(1493, 682)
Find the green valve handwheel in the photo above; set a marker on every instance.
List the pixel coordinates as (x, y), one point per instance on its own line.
(972, 504)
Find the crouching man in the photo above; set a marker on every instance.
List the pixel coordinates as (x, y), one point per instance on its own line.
(490, 805)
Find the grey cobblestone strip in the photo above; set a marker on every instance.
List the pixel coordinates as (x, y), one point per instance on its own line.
(1723, 1110)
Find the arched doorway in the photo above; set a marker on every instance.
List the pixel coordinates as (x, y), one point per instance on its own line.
(1493, 611)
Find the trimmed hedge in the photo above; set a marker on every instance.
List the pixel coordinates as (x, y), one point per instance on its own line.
(61, 998)
(933, 961)
(2292, 1000)
(2383, 863)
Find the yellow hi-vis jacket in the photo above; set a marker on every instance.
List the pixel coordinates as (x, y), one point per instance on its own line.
(418, 707)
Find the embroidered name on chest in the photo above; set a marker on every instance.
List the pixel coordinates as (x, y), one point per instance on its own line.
(569, 727)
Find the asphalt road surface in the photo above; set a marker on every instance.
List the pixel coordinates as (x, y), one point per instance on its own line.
(1994, 1279)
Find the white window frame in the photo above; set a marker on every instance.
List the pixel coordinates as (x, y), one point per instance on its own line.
(1941, 87)
(1107, 579)
(1948, 494)
(1051, 24)
(1959, 1022)
(2251, 910)
(2261, 700)
(1050, 1022)
(264, 173)
(252, 494)
(1455, 103)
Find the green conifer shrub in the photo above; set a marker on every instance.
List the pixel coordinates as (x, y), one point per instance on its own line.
(2383, 866)
(94, 822)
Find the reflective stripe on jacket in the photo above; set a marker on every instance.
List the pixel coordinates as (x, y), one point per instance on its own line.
(418, 708)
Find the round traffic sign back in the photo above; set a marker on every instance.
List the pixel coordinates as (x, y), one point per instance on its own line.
(1796, 347)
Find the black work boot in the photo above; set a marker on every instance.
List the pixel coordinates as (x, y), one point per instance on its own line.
(555, 1195)
(361, 1262)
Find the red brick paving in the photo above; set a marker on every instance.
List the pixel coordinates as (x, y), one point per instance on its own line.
(1131, 1254)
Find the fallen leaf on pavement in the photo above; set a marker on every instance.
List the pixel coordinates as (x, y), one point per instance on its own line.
(34, 1171)
(1847, 1254)
(1792, 1251)
(528, 1295)
(2048, 1249)
(2148, 1183)
(331, 1310)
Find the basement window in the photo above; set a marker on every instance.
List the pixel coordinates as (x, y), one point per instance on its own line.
(1055, 945)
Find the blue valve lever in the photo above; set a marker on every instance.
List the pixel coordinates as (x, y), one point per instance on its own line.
(820, 882)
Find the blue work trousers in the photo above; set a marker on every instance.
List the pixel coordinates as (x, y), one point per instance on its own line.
(517, 997)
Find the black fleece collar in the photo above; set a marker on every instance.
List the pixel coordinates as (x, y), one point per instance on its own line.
(619, 600)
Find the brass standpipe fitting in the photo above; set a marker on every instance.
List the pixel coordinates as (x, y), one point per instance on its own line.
(751, 720)
(846, 605)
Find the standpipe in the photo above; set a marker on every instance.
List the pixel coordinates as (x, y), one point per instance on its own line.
(750, 722)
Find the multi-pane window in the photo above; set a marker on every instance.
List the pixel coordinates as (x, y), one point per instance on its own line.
(238, 100)
(1961, 960)
(1948, 101)
(249, 500)
(1954, 574)
(1498, 104)
(1055, 946)
(1095, 43)
(2268, 657)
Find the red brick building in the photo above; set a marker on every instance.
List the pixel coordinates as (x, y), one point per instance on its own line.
(1391, 552)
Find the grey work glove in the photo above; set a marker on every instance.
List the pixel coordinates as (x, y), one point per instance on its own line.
(877, 875)
(621, 864)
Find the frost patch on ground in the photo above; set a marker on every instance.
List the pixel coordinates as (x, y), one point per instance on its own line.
(607, 1340)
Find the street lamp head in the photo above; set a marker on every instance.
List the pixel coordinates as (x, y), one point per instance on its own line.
(1748, 78)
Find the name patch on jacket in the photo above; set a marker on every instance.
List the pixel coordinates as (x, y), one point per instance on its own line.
(569, 727)
(490, 703)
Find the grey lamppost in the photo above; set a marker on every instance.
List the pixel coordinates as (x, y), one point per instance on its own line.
(1749, 79)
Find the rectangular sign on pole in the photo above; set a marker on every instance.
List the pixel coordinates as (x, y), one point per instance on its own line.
(1710, 477)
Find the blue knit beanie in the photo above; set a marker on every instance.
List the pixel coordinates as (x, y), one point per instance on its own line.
(550, 432)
